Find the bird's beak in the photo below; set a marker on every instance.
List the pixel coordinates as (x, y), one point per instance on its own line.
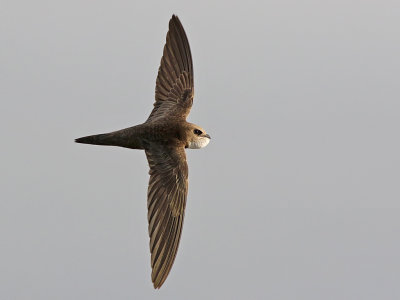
(207, 136)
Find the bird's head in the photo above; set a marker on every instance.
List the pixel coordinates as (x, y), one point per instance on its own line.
(196, 137)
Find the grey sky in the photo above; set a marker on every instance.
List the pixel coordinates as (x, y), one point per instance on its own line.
(296, 196)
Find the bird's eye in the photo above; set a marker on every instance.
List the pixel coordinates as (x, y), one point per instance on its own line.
(198, 132)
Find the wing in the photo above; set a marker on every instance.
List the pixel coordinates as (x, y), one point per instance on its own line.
(174, 85)
(166, 201)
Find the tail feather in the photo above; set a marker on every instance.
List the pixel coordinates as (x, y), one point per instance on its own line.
(127, 138)
(97, 139)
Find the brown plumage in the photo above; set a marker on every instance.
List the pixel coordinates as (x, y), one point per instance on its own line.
(164, 137)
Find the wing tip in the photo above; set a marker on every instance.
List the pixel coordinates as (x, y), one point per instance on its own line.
(175, 21)
(156, 286)
(159, 281)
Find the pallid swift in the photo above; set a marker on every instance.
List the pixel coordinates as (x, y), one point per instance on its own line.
(164, 137)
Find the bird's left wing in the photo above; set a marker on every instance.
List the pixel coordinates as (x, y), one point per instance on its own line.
(166, 201)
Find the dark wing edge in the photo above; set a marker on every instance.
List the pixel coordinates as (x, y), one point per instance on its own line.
(174, 85)
(166, 201)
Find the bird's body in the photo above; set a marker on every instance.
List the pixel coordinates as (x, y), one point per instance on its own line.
(164, 137)
(176, 133)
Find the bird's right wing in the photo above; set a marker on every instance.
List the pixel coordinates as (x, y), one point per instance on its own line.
(166, 201)
(174, 85)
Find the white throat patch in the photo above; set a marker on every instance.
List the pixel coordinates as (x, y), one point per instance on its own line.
(199, 143)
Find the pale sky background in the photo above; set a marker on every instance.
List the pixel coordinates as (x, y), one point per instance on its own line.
(296, 197)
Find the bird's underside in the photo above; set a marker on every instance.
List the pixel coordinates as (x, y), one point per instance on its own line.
(164, 137)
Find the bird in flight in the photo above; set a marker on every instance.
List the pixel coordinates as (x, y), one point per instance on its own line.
(164, 137)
